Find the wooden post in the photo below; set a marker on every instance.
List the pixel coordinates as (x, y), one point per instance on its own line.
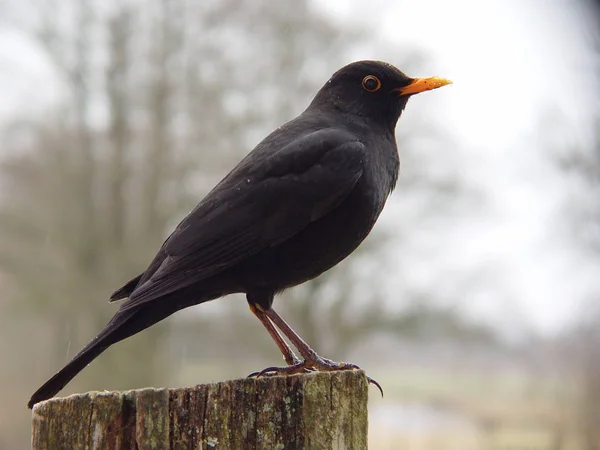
(313, 411)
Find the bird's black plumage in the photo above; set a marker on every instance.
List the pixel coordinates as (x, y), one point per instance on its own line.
(294, 207)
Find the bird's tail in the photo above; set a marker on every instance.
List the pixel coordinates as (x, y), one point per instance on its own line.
(122, 325)
(66, 374)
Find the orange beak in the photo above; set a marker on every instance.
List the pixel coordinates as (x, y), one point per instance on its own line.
(423, 84)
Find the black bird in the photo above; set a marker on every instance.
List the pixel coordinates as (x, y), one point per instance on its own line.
(294, 207)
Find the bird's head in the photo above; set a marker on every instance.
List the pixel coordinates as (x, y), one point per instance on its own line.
(373, 90)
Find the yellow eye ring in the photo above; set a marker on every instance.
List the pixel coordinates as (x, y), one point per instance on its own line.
(371, 83)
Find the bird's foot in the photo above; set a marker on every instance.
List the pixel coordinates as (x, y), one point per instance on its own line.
(293, 367)
(316, 364)
(327, 365)
(300, 367)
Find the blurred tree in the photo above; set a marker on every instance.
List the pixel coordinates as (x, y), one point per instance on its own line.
(156, 105)
(582, 163)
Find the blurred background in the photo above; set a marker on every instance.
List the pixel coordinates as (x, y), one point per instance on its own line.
(475, 301)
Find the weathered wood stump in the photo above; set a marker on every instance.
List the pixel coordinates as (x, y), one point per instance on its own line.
(313, 411)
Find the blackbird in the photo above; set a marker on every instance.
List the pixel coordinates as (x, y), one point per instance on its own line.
(294, 207)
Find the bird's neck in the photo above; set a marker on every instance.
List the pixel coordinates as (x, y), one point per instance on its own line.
(351, 119)
(359, 114)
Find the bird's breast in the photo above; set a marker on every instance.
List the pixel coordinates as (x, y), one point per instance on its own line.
(331, 238)
(319, 246)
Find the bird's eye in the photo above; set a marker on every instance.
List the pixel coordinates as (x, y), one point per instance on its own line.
(371, 83)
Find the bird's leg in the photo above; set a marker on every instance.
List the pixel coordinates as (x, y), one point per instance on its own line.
(288, 354)
(312, 361)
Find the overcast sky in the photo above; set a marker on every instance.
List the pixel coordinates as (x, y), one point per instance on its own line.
(523, 83)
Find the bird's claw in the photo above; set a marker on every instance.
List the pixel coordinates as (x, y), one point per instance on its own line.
(325, 364)
(372, 381)
(317, 365)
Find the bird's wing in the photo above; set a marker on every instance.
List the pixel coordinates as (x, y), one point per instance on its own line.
(254, 208)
